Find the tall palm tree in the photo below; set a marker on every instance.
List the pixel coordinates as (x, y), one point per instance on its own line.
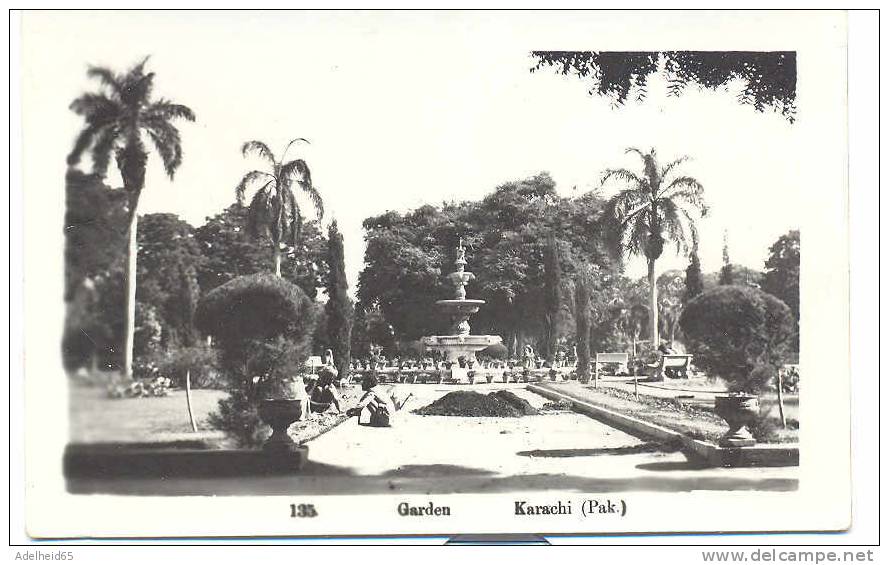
(274, 210)
(119, 119)
(654, 207)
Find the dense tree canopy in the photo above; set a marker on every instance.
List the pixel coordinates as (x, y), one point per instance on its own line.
(95, 229)
(229, 252)
(505, 235)
(169, 260)
(781, 278)
(768, 78)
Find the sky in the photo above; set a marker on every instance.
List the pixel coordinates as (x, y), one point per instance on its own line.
(408, 108)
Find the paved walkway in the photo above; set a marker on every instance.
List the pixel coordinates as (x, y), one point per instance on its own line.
(439, 454)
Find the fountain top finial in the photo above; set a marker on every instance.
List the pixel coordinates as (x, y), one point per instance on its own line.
(461, 253)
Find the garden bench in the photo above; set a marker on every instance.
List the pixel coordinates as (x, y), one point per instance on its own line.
(621, 359)
(677, 363)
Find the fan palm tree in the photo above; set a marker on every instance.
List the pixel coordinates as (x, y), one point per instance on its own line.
(120, 121)
(654, 207)
(274, 210)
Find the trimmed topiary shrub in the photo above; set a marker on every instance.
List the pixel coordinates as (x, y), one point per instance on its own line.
(256, 306)
(738, 333)
(262, 325)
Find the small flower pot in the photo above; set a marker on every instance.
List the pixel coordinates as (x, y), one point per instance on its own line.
(739, 411)
(279, 414)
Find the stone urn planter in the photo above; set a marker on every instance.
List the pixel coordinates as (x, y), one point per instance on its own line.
(282, 402)
(739, 411)
(279, 414)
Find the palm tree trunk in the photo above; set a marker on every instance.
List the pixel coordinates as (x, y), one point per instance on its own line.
(652, 295)
(130, 326)
(276, 254)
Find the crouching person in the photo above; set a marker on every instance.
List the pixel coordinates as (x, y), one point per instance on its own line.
(376, 407)
(323, 394)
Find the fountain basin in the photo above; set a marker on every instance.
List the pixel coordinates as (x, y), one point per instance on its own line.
(456, 346)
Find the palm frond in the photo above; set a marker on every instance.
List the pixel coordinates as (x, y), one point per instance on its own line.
(103, 149)
(259, 212)
(249, 178)
(260, 149)
(625, 221)
(107, 77)
(637, 151)
(625, 175)
(635, 235)
(298, 171)
(670, 166)
(137, 71)
(292, 141)
(136, 86)
(294, 218)
(677, 226)
(166, 110)
(96, 108)
(83, 141)
(627, 203)
(166, 140)
(687, 183)
(686, 189)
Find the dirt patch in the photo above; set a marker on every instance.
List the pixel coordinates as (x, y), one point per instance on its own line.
(500, 404)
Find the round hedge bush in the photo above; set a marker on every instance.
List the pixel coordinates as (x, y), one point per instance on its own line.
(259, 306)
(263, 326)
(739, 333)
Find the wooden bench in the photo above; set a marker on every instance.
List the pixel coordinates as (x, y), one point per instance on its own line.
(677, 362)
(621, 359)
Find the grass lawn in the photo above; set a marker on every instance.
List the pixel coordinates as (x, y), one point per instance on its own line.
(96, 418)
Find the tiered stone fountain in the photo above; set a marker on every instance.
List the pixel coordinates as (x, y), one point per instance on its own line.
(459, 342)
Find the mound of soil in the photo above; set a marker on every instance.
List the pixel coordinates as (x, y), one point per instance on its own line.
(500, 404)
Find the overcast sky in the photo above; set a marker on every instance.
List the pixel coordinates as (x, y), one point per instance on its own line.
(407, 108)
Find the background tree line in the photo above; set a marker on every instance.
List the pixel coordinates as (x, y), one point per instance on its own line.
(525, 244)
(177, 264)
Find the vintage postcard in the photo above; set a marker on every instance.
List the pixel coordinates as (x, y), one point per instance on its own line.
(379, 273)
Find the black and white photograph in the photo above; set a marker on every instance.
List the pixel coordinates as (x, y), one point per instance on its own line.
(461, 272)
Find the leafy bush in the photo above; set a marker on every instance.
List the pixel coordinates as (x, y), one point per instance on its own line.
(496, 351)
(738, 333)
(146, 367)
(200, 360)
(238, 416)
(263, 326)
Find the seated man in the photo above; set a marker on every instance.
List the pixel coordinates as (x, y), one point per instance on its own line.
(376, 408)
